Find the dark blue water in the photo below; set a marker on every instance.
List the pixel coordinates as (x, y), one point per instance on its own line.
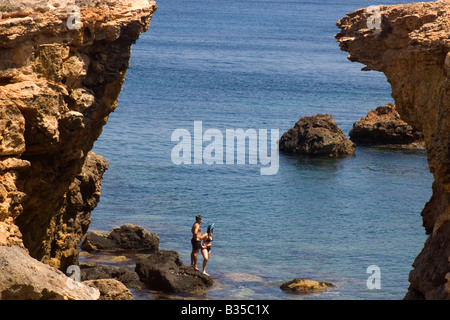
(262, 65)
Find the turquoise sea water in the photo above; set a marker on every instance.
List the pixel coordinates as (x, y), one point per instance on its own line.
(261, 65)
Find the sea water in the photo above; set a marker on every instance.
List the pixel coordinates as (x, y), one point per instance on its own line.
(261, 65)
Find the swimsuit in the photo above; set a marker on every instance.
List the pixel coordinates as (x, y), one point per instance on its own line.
(208, 243)
(196, 244)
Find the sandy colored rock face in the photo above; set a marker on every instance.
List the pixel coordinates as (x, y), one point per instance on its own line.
(60, 78)
(57, 87)
(411, 48)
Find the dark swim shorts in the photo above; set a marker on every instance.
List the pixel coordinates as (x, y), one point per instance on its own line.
(196, 245)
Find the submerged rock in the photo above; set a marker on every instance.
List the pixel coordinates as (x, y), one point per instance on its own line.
(305, 286)
(383, 126)
(164, 271)
(125, 238)
(316, 135)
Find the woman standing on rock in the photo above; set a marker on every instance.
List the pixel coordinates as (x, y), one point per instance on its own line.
(207, 239)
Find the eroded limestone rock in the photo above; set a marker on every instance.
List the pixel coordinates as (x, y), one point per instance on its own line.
(58, 85)
(412, 48)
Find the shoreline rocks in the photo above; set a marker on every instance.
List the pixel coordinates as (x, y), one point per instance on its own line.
(154, 269)
(164, 271)
(317, 136)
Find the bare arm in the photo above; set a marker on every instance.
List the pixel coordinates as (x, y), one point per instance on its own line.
(196, 231)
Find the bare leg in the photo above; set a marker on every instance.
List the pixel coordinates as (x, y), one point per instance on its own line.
(194, 256)
(206, 255)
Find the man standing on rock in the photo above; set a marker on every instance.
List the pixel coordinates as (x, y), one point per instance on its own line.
(196, 240)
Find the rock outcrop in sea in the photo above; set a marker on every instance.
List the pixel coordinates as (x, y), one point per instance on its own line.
(316, 136)
(384, 126)
(411, 47)
(61, 72)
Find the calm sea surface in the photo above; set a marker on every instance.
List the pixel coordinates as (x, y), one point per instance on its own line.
(261, 65)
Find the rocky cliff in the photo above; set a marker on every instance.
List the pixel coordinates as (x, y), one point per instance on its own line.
(62, 65)
(410, 44)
